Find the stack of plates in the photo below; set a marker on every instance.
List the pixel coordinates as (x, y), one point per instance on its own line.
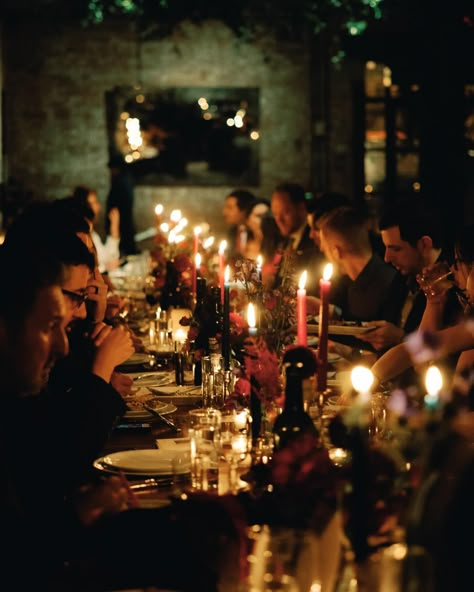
(145, 462)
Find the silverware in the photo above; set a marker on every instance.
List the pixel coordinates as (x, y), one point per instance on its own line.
(164, 419)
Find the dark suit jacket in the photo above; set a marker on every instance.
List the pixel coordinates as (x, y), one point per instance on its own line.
(307, 257)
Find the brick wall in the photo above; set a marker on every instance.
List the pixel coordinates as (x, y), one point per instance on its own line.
(55, 125)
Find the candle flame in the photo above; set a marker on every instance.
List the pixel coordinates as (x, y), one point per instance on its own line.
(259, 262)
(175, 216)
(327, 273)
(251, 318)
(302, 282)
(197, 260)
(197, 230)
(164, 227)
(159, 209)
(227, 274)
(361, 379)
(208, 242)
(433, 380)
(222, 247)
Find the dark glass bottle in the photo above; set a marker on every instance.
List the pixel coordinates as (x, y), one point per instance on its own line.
(293, 420)
(215, 320)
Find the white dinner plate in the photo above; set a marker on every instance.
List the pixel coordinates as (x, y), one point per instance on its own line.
(350, 329)
(161, 407)
(148, 461)
(135, 359)
(347, 328)
(154, 379)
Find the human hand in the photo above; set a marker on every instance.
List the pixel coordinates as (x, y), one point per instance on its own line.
(435, 280)
(121, 383)
(113, 345)
(384, 335)
(114, 219)
(113, 305)
(110, 496)
(96, 302)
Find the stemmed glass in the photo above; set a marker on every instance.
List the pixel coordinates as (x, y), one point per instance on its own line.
(435, 279)
(235, 442)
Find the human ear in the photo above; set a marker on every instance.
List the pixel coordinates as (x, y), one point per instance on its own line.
(425, 243)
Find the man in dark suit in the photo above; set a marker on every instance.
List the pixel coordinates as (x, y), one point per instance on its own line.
(413, 236)
(288, 205)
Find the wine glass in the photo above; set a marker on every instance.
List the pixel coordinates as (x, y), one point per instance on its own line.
(435, 279)
(235, 442)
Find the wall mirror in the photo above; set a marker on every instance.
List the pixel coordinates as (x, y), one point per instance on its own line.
(186, 135)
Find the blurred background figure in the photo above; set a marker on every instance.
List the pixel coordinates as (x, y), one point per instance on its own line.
(235, 209)
(121, 196)
(288, 205)
(263, 233)
(108, 252)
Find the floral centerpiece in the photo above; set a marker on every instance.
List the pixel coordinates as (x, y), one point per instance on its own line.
(173, 260)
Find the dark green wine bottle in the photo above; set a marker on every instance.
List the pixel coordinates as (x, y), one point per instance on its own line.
(293, 420)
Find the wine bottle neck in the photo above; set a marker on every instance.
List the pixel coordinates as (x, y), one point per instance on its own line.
(293, 392)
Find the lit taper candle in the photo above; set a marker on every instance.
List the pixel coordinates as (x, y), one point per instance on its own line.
(226, 320)
(324, 289)
(301, 336)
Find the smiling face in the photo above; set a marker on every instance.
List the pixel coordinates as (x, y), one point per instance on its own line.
(407, 259)
(288, 216)
(32, 350)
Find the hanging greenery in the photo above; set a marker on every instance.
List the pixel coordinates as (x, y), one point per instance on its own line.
(287, 19)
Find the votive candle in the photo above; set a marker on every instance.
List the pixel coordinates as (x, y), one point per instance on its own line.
(434, 384)
(252, 320)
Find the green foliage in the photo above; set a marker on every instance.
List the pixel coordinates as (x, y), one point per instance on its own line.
(287, 19)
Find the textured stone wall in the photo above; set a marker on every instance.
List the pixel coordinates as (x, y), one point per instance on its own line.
(55, 124)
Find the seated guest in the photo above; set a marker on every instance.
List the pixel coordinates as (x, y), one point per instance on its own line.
(235, 209)
(32, 339)
(263, 234)
(288, 205)
(366, 291)
(398, 359)
(77, 542)
(108, 252)
(413, 236)
(80, 386)
(319, 205)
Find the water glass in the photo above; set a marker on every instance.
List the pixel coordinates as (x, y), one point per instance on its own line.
(404, 567)
(204, 435)
(235, 442)
(213, 381)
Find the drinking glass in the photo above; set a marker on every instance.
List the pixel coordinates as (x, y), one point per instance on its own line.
(235, 442)
(204, 436)
(435, 279)
(212, 386)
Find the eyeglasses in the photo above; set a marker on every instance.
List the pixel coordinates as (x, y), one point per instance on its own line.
(78, 298)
